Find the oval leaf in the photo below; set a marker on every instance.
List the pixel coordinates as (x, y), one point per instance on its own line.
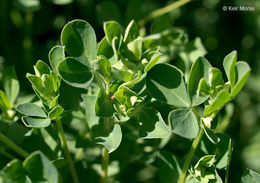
(242, 71)
(80, 42)
(221, 99)
(75, 73)
(40, 169)
(200, 69)
(229, 64)
(113, 140)
(152, 125)
(30, 109)
(166, 83)
(56, 55)
(35, 122)
(184, 123)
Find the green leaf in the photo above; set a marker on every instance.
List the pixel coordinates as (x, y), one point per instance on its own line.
(211, 135)
(103, 66)
(131, 32)
(80, 42)
(166, 83)
(215, 77)
(221, 99)
(112, 29)
(104, 48)
(200, 69)
(30, 109)
(136, 48)
(184, 123)
(112, 141)
(61, 2)
(154, 59)
(14, 170)
(205, 161)
(169, 167)
(33, 122)
(103, 105)
(56, 55)
(41, 68)
(4, 101)
(229, 64)
(55, 112)
(75, 73)
(11, 84)
(203, 88)
(152, 125)
(242, 74)
(40, 169)
(249, 176)
(91, 117)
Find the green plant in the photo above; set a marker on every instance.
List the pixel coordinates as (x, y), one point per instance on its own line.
(124, 85)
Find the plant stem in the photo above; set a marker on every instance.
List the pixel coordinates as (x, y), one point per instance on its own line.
(193, 148)
(162, 11)
(105, 154)
(3, 152)
(13, 146)
(67, 153)
(229, 159)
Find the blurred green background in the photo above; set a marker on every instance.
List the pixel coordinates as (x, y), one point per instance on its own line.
(30, 28)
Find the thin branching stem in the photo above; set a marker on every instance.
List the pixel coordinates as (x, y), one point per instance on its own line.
(13, 146)
(105, 154)
(162, 11)
(66, 151)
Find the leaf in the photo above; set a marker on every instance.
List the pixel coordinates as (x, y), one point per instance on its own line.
(184, 123)
(103, 105)
(131, 32)
(10, 84)
(4, 101)
(215, 77)
(103, 66)
(104, 48)
(80, 42)
(154, 59)
(135, 47)
(112, 141)
(211, 135)
(14, 170)
(41, 68)
(91, 117)
(250, 176)
(229, 64)
(33, 122)
(205, 161)
(40, 169)
(61, 2)
(166, 83)
(55, 112)
(152, 125)
(30, 109)
(56, 55)
(242, 74)
(75, 73)
(169, 167)
(200, 69)
(203, 88)
(112, 29)
(221, 99)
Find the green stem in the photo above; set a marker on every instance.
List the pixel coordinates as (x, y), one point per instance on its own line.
(229, 159)
(67, 153)
(8, 155)
(186, 166)
(105, 155)
(162, 11)
(13, 146)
